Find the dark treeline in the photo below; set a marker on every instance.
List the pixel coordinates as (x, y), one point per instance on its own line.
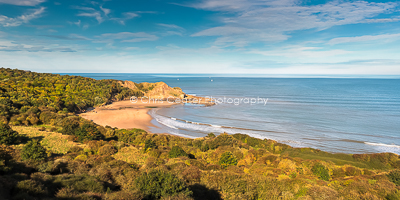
(111, 163)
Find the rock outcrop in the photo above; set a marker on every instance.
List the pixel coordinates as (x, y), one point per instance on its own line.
(128, 84)
(158, 90)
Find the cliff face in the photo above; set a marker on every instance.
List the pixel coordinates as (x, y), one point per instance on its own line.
(161, 90)
(128, 84)
(158, 90)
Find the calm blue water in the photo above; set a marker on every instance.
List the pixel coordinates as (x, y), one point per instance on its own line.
(350, 115)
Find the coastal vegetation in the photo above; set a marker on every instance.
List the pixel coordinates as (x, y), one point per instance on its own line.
(48, 152)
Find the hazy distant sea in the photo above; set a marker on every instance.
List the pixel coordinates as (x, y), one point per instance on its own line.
(349, 115)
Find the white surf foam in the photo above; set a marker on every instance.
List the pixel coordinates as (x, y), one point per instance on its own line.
(392, 148)
(199, 127)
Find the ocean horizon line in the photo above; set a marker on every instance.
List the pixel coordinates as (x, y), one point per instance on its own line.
(237, 75)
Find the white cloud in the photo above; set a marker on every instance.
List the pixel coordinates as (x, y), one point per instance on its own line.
(23, 2)
(105, 10)
(8, 21)
(364, 38)
(78, 23)
(126, 37)
(251, 21)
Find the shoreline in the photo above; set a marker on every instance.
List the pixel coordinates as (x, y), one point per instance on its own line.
(125, 114)
(116, 115)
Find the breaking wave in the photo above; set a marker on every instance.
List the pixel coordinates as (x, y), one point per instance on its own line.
(385, 147)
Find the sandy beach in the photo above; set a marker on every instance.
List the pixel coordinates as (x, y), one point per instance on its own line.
(125, 114)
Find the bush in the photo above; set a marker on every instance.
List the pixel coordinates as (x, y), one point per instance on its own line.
(177, 151)
(31, 187)
(223, 140)
(123, 195)
(107, 150)
(394, 176)
(128, 136)
(393, 196)
(321, 171)
(50, 167)
(227, 159)
(192, 174)
(211, 135)
(7, 135)
(33, 150)
(88, 131)
(70, 125)
(149, 144)
(322, 192)
(79, 183)
(157, 183)
(352, 171)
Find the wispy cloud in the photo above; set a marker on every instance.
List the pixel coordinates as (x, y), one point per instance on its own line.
(102, 14)
(22, 2)
(301, 52)
(90, 12)
(6, 45)
(125, 37)
(172, 29)
(126, 16)
(34, 13)
(250, 21)
(382, 20)
(364, 38)
(77, 23)
(74, 37)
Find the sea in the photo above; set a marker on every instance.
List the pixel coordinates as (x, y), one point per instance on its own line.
(334, 114)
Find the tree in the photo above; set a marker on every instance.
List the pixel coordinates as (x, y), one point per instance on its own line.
(177, 151)
(33, 150)
(7, 135)
(227, 159)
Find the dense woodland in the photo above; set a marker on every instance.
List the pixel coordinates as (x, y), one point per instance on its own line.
(48, 152)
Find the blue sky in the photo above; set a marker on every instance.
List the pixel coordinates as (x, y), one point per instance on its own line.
(201, 36)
